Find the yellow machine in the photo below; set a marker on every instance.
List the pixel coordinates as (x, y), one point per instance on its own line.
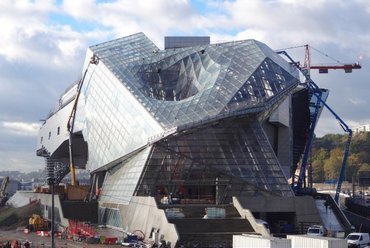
(37, 223)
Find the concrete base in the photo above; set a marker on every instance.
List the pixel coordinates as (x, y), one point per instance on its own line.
(142, 215)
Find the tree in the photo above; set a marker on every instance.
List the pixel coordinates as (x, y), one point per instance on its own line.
(333, 164)
(364, 167)
(327, 156)
(318, 173)
(317, 159)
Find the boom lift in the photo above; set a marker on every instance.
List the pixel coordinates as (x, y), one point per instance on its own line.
(71, 120)
(317, 92)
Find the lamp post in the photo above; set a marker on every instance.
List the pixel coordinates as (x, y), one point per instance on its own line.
(51, 182)
(52, 216)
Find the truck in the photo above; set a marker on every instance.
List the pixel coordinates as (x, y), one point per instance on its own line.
(358, 240)
(316, 230)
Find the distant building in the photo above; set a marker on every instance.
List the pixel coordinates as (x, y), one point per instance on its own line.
(361, 129)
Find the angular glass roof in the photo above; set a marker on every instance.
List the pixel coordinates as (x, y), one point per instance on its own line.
(187, 85)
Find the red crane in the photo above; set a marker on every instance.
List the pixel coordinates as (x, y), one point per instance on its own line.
(325, 68)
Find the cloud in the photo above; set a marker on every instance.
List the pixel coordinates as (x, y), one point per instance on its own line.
(29, 36)
(21, 20)
(355, 124)
(21, 128)
(299, 23)
(328, 124)
(24, 161)
(357, 101)
(125, 17)
(43, 45)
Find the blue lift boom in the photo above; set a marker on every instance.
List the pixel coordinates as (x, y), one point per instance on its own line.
(316, 91)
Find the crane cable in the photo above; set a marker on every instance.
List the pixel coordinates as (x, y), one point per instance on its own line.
(326, 55)
(317, 50)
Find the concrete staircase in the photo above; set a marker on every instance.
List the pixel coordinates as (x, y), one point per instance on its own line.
(194, 231)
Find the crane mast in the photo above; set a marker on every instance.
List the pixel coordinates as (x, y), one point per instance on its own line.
(317, 92)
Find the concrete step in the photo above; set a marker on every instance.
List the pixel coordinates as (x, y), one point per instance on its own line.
(191, 226)
(196, 211)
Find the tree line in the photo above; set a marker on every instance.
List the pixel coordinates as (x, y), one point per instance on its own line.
(327, 156)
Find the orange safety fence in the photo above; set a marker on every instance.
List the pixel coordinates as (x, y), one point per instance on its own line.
(81, 228)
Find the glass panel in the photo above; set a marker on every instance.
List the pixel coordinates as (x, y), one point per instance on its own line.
(236, 153)
(122, 179)
(182, 77)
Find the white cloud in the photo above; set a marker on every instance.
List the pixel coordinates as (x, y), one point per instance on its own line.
(298, 22)
(354, 124)
(28, 35)
(125, 17)
(21, 20)
(40, 55)
(357, 101)
(21, 128)
(256, 34)
(24, 161)
(327, 125)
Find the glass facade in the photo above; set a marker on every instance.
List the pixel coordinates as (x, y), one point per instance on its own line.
(121, 181)
(205, 105)
(110, 216)
(216, 162)
(192, 84)
(113, 122)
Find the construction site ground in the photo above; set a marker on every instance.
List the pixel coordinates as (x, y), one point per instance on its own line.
(13, 222)
(40, 241)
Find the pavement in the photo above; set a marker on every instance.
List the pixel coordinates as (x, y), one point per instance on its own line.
(328, 217)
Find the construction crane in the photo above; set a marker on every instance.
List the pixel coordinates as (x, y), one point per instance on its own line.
(325, 68)
(4, 185)
(307, 66)
(3, 195)
(317, 92)
(71, 120)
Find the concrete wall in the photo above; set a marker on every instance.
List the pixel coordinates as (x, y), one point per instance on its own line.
(280, 119)
(247, 214)
(303, 206)
(143, 214)
(22, 198)
(58, 119)
(285, 149)
(45, 200)
(306, 210)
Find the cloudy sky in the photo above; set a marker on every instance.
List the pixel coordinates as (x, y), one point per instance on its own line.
(43, 45)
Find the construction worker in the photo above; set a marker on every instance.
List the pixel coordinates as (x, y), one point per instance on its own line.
(170, 199)
(327, 203)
